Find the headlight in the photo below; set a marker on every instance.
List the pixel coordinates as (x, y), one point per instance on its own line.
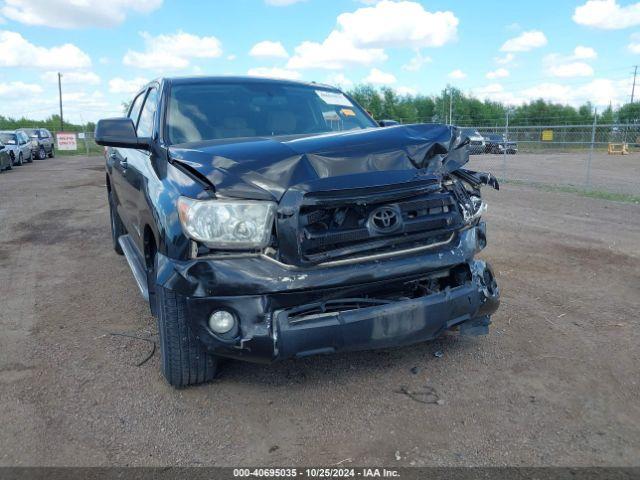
(478, 207)
(232, 224)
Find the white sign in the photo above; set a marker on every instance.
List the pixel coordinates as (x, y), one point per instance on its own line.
(81, 135)
(66, 141)
(334, 98)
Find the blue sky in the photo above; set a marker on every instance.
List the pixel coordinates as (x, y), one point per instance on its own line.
(565, 51)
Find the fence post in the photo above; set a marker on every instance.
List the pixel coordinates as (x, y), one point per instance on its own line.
(506, 139)
(84, 134)
(593, 139)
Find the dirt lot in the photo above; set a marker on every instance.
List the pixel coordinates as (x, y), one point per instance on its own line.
(615, 173)
(556, 382)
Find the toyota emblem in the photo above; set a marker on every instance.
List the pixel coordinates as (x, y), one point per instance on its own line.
(385, 219)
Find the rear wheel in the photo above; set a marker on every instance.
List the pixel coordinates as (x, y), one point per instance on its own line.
(20, 161)
(41, 153)
(117, 227)
(184, 359)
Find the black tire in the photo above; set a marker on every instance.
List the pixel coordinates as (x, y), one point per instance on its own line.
(52, 153)
(10, 167)
(30, 157)
(20, 160)
(117, 227)
(41, 153)
(183, 359)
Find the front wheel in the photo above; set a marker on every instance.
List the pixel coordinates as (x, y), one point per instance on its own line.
(52, 153)
(184, 359)
(41, 153)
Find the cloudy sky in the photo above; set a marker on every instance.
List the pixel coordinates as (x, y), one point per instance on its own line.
(565, 51)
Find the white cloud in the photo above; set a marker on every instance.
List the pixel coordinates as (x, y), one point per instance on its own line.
(19, 89)
(281, 3)
(416, 62)
(405, 91)
(120, 85)
(457, 74)
(378, 77)
(335, 53)
(586, 53)
(607, 14)
(19, 52)
(398, 24)
(572, 69)
(339, 80)
(600, 92)
(499, 73)
(274, 72)
(508, 58)
(74, 13)
(361, 36)
(172, 51)
(231, 57)
(495, 92)
(634, 44)
(574, 65)
(525, 41)
(268, 48)
(72, 78)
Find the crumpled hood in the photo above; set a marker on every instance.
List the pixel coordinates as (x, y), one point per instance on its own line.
(265, 167)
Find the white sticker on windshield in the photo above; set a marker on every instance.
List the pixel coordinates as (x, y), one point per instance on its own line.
(334, 98)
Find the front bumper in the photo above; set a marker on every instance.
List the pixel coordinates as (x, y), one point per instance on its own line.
(263, 295)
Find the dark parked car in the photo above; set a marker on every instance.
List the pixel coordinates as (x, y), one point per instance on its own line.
(259, 230)
(495, 143)
(18, 145)
(476, 141)
(42, 142)
(5, 158)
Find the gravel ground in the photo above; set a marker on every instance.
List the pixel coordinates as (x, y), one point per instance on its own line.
(556, 382)
(615, 173)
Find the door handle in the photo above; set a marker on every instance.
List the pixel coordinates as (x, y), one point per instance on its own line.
(112, 155)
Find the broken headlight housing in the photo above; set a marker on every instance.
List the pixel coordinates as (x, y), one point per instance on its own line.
(227, 224)
(477, 208)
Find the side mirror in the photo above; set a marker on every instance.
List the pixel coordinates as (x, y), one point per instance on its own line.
(119, 132)
(388, 123)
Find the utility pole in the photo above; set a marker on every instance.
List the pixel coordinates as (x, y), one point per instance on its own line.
(60, 96)
(450, 105)
(633, 89)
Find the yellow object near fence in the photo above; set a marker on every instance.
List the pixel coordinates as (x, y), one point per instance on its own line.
(547, 135)
(618, 148)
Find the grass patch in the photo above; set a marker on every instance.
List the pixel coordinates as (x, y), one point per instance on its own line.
(583, 192)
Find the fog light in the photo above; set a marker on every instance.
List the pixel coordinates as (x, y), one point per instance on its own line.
(222, 321)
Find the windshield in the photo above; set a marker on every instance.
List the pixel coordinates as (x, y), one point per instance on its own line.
(8, 138)
(229, 110)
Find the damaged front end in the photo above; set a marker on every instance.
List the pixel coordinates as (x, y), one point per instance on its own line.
(357, 260)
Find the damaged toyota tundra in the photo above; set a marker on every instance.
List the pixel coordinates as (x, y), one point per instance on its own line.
(270, 219)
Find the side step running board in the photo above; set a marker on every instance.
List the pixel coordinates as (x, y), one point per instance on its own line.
(138, 270)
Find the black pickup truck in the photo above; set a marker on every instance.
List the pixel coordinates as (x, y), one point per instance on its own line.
(269, 219)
